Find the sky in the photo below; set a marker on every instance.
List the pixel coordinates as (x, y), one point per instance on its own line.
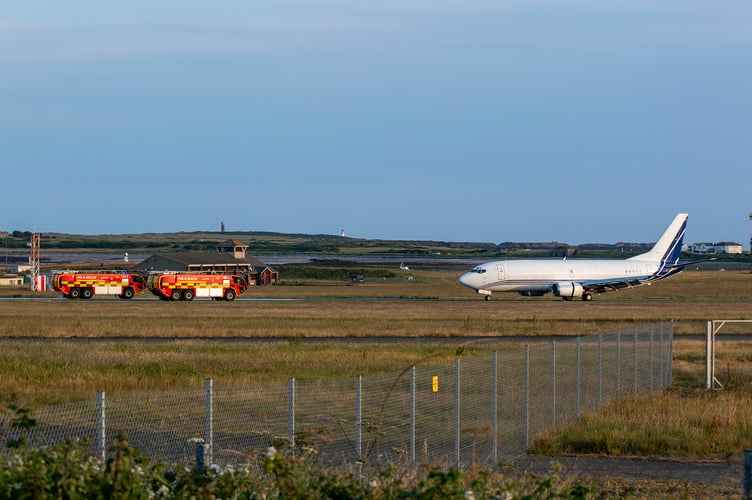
(523, 120)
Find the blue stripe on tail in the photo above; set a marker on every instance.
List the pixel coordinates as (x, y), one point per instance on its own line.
(673, 253)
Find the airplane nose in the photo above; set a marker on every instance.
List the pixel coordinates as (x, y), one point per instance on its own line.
(465, 279)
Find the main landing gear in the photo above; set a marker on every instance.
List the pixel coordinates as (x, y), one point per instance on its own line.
(586, 297)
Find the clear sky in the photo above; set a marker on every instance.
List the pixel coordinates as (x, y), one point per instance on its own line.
(489, 120)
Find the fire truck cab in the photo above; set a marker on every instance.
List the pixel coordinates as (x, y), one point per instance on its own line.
(76, 285)
(190, 286)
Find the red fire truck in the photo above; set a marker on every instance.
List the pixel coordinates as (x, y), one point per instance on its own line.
(188, 286)
(74, 285)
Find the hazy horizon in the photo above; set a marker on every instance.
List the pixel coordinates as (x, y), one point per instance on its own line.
(574, 121)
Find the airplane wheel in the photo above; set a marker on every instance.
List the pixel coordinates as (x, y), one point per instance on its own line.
(488, 298)
(587, 297)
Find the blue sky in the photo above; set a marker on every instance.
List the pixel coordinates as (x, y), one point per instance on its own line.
(574, 121)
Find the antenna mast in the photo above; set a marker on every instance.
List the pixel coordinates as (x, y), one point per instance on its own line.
(34, 262)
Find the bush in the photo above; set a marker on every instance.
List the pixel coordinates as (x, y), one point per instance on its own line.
(72, 471)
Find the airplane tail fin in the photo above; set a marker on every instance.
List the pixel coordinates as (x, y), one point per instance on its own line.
(668, 248)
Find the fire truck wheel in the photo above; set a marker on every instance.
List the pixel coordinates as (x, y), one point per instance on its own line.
(188, 295)
(75, 293)
(127, 293)
(229, 295)
(87, 293)
(176, 295)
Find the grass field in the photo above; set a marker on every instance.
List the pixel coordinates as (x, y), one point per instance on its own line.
(38, 366)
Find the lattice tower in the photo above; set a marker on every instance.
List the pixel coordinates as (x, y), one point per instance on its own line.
(34, 261)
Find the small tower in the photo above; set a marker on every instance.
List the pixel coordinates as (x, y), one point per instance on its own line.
(34, 263)
(233, 247)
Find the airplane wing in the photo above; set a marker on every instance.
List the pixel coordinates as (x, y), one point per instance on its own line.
(611, 285)
(601, 286)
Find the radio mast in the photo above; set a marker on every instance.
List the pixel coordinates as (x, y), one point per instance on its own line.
(34, 262)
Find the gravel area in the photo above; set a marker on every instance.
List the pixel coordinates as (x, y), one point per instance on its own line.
(727, 474)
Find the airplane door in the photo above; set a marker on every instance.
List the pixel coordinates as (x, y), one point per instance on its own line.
(500, 270)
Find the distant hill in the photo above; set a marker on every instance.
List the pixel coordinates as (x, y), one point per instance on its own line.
(262, 242)
(259, 242)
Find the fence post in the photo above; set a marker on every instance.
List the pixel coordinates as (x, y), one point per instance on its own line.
(495, 404)
(527, 396)
(577, 369)
(412, 417)
(600, 369)
(661, 360)
(202, 451)
(708, 355)
(359, 422)
(669, 354)
(291, 413)
(618, 364)
(553, 383)
(635, 386)
(457, 410)
(747, 479)
(209, 433)
(652, 362)
(101, 427)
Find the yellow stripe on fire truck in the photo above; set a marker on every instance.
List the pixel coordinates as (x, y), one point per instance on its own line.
(181, 286)
(89, 283)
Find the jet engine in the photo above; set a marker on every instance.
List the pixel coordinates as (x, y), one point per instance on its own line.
(567, 289)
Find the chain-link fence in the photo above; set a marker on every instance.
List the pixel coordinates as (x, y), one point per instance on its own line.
(474, 411)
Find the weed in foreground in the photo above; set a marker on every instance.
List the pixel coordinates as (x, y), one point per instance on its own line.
(70, 470)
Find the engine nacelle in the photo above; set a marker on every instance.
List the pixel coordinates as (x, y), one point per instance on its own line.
(567, 289)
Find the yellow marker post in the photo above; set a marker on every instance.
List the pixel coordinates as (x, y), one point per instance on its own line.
(435, 383)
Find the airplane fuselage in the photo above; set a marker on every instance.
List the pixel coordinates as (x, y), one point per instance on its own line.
(569, 278)
(540, 275)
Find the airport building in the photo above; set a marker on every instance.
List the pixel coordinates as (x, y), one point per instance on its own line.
(230, 258)
(723, 247)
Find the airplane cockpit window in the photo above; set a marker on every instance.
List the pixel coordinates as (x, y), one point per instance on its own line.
(477, 269)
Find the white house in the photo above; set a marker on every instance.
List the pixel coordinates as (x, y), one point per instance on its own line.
(723, 247)
(11, 280)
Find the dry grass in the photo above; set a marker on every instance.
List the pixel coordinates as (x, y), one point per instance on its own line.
(41, 370)
(40, 373)
(687, 421)
(433, 304)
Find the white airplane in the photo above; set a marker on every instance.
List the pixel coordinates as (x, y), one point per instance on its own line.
(581, 277)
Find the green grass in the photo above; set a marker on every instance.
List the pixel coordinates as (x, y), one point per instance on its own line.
(688, 424)
(686, 421)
